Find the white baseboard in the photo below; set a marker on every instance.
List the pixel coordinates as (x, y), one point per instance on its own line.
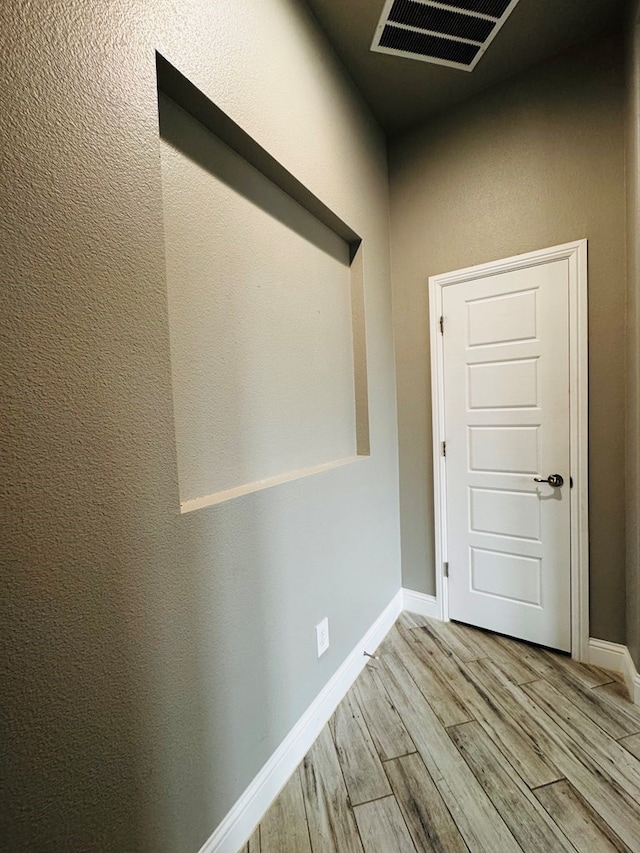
(237, 826)
(617, 658)
(420, 603)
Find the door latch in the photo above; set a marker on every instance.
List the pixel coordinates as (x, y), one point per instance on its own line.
(555, 480)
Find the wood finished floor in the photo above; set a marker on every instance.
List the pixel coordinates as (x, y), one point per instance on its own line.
(457, 740)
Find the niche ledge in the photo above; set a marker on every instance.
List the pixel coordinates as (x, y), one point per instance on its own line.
(240, 491)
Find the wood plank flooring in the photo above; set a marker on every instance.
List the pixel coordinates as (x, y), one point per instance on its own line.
(458, 741)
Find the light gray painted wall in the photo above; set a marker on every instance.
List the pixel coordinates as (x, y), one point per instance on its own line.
(155, 661)
(534, 162)
(633, 334)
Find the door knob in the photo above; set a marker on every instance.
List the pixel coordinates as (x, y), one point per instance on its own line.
(555, 480)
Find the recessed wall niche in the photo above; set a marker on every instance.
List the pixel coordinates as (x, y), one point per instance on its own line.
(266, 310)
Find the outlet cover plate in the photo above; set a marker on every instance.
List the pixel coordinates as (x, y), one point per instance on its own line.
(322, 636)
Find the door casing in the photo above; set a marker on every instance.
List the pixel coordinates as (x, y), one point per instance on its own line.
(575, 254)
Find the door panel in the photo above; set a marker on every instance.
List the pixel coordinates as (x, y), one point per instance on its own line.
(503, 449)
(502, 319)
(504, 512)
(510, 576)
(506, 405)
(503, 384)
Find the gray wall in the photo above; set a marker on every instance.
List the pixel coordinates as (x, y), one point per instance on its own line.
(534, 162)
(155, 661)
(633, 335)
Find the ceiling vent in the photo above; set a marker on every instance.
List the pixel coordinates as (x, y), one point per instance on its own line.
(454, 33)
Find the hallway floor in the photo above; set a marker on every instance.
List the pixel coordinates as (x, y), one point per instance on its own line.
(456, 740)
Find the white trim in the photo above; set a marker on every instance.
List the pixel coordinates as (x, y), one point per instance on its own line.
(579, 417)
(616, 658)
(576, 255)
(420, 603)
(245, 815)
(439, 471)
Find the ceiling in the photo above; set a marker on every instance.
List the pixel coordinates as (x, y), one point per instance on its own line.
(403, 92)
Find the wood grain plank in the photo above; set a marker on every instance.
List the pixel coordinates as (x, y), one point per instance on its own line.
(572, 758)
(588, 832)
(425, 812)
(614, 720)
(616, 761)
(382, 827)
(527, 820)
(411, 620)
(254, 844)
(526, 652)
(479, 819)
(412, 706)
(616, 694)
(332, 825)
(546, 662)
(506, 654)
(632, 744)
(466, 646)
(435, 687)
(619, 693)
(469, 829)
(284, 827)
(594, 675)
(512, 663)
(535, 768)
(469, 643)
(590, 676)
(385, 725)
(361, 766)
(611, 714)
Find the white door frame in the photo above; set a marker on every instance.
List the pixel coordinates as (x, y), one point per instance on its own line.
(576, 255)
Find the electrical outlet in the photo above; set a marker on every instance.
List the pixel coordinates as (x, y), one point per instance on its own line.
(322, 636)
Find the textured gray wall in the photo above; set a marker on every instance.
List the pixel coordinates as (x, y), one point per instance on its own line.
(534, 162)
(155, 661)
(633, 334)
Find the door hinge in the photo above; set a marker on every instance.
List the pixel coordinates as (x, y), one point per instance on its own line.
(444, 448)
(445, 569)
(441, 325)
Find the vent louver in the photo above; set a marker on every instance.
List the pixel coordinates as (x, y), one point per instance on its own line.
(453, 32)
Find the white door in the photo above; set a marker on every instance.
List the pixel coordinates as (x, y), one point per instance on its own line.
(507, 426)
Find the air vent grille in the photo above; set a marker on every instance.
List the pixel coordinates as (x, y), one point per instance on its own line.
(495, 8)
(452, 32)
(410, 41)
(438, 20)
